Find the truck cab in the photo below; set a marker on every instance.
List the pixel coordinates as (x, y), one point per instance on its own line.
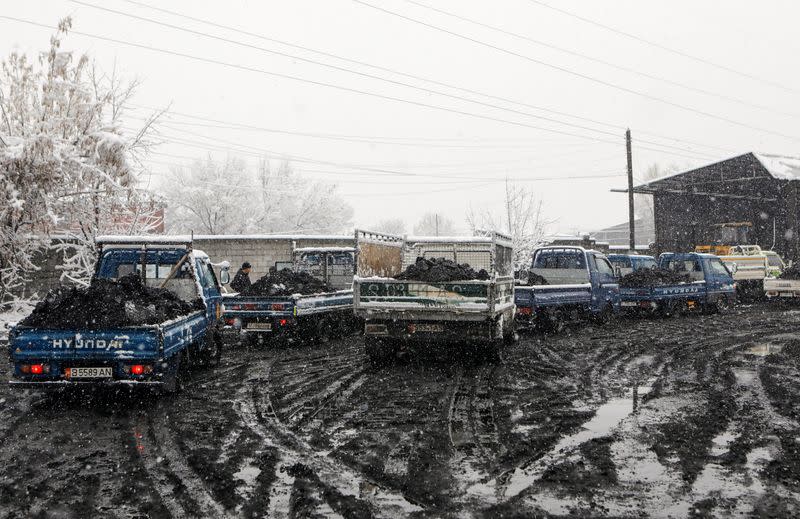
(567, 283)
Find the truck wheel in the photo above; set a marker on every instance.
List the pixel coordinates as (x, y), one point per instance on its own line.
(605, 315)
(722, 306)
(379, 351)
(173, 377)
(212, 353)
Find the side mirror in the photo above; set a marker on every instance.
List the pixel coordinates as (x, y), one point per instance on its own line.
(734, 267)
(225, 273)
(618, 272)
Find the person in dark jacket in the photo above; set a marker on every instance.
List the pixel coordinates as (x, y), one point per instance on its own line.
(242, 278)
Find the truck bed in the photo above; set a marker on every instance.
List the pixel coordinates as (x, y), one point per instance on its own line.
(111, 347)
(390, 298)
(282, 306)
(774, 287)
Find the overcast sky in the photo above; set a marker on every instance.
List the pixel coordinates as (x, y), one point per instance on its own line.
(554, 115)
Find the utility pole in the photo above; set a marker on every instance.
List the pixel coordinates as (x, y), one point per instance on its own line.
(631, 217)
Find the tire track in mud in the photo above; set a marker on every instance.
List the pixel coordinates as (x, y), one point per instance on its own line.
(637, 471)
(344, 491)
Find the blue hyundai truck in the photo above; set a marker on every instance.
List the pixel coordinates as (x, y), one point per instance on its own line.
(148, 355)
(317, 316)
(567, 284)
(710, 288)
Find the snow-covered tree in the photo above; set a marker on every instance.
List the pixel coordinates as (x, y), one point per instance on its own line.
(395, 226)
(521, 217)
(228, 197)
(65, 165)
(434, 224)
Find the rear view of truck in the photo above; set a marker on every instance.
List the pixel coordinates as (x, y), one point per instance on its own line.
(398, 309)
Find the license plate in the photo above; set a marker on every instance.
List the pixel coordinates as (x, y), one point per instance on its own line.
(629, 303)
(429, 328)
(259, 326)
(787, 294)
(89, 372)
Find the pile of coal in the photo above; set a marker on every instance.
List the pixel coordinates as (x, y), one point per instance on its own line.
(792, 272)
(653, 278)
(536, 279)
(285, 283)
(442, 270)
(107, 304)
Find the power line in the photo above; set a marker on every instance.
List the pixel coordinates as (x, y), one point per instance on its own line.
(602, 61)
(576, 74)
(371, 76)
(310, 81)
(665, 48)
(394, 71)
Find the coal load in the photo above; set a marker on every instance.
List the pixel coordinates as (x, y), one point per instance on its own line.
(653, 278)
(792, 272)
(286, 282)
(107, 304)
(536, 279)
(441, 270)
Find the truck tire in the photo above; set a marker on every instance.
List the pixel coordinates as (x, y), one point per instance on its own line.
(379, 351)
(605, 315)
(212, 353)
(173, 376)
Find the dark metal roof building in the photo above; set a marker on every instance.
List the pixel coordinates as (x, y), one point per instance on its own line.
(760, 189)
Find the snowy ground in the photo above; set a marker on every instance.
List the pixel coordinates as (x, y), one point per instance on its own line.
(650, 417)
(13, 316)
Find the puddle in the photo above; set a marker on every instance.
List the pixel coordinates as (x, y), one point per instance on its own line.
(763, 349)
(606, 417)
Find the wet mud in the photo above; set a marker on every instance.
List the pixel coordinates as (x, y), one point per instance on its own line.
(690, 417)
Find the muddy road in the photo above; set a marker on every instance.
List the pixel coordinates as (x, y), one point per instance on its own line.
(682, 417)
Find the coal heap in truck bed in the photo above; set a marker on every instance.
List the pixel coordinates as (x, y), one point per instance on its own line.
(652, 278)
(286, 282)
(441, 270)
(108, 304)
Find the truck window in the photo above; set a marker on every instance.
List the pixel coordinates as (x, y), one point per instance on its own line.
(646, 264)
(559, 260)
(718, 267)
(340, 258)
(621, 262)
(774, 261)
(603, 266)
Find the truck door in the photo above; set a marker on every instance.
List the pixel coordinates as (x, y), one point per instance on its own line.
(210, 286)
(604, 283)
(718, 278)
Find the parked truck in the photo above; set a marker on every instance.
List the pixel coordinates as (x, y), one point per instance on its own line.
(567, 284)
(317, 316)
(151, 355)
(710, 288)
(397, 312)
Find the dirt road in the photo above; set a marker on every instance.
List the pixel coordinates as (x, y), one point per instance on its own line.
(663, 417)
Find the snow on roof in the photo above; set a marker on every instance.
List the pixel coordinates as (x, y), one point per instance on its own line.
(177, 238)
(318, 237)
(325, 249)
(780, 166)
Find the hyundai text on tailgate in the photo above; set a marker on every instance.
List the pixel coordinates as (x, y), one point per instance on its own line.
(433, 309)
(567, 284)
(142, 355)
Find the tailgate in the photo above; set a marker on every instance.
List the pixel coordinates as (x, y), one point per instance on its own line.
(781, 286)
(252, 306)
(391, 295)
(327, 302)
(122, 343)
(553, 295)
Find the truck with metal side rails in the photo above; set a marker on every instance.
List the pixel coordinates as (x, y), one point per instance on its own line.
(149, 355)
(627, 263)
(314, 316)
(710, 288)
(398, 312)
(567, 283)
